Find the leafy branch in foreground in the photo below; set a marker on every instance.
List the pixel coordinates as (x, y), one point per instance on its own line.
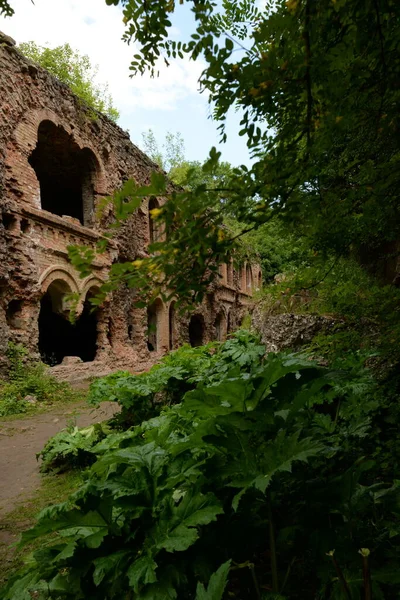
(6, 9)
(316, 87)
(184, 260)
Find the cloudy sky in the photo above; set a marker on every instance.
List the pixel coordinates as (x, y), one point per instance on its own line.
(170, 102)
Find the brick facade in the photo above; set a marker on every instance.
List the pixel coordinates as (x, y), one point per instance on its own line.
(56, 164)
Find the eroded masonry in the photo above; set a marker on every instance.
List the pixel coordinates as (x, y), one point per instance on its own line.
(56, 164)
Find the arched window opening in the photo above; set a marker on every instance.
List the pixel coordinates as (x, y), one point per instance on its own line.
(66, 174)
(259, 280)
(196, 331)
(58, 337)
(229, 273)
(220, 327)
(153, 325)
(14, 314)
(154, 227)
(249, 279)
(171, 325)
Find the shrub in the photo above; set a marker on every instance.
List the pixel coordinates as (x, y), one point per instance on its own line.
(30, 378)
(256, 476)
(143, 396)
(72, 448)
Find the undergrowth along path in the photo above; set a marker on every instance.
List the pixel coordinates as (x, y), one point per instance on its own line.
(22, 439)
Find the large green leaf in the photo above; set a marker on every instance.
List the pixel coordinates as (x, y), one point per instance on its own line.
(216, 585)
(142, 572)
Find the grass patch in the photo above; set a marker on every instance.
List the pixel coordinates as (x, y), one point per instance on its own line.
(29, 387)
(54, 489)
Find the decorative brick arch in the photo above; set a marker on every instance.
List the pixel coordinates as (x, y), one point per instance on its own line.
(86, 285)
(58, 273)
(89, 283)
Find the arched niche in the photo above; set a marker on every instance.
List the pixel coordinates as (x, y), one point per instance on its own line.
(249, 279)
(66, 173)
(220, 326)
(155, 312)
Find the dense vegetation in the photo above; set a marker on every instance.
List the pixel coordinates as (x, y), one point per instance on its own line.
(316, 85)
(275, 474)
(29, 387)
(76, 71)
(229, 474)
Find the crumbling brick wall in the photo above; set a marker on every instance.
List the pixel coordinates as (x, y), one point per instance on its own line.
(56, 157)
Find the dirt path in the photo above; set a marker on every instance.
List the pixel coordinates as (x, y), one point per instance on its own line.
(20, 440)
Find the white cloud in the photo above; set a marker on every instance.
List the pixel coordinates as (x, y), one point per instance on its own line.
(95, 29)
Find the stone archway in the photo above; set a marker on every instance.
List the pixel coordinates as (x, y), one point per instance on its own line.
(56, 333)
(58, 336)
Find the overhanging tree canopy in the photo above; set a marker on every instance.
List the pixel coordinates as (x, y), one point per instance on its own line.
(317, 84)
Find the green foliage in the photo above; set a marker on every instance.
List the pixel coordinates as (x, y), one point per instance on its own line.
(366, 312)
(72, 448)
(267, 467)
(316, 87)
(144, 396)
(76, 71)
(29, 378)
(6, 9)
(279, 250)
(170, 155)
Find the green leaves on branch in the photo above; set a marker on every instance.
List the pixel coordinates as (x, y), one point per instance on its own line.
(6, 9)
(76, 71)
(316, 88)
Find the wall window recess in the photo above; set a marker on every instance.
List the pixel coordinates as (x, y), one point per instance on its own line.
(65, 172)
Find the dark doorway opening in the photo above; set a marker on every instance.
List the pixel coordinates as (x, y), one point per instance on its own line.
(66, 174)
(171, 326)
(86, 330)
(196, 331)
(58, 337)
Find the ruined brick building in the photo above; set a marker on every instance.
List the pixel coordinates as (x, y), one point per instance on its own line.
(56, 163)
